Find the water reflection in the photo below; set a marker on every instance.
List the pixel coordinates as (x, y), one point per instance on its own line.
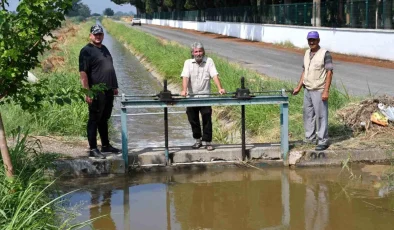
(316, 207)
(275, 199)
(100, 205)
(134, 79)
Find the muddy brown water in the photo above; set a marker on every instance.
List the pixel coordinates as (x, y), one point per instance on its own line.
(314, 198)
(217, 198)
(143, 130)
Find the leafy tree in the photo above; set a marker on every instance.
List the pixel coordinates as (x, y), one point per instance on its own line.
(120, 13)
(84, 11)
(151, 6)
(198, 4)
(73, 11)
(159, 5)
(78, 9)
(170, 4)
(22, 41)
(179, 5)
(190, 5)
(201, 4)
(244, 2)
(108, 12)
(219, 3)
(139, 4)
(96, 15)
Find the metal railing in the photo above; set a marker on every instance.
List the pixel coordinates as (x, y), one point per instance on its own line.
(369, 14)
(165, 99)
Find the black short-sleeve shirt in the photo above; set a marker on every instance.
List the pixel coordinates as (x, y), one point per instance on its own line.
(97, 63)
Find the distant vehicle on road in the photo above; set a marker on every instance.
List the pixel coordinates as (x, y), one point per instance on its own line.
(136, 21)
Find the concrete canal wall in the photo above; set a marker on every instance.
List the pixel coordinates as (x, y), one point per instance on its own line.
(225, 156)
(360, 42)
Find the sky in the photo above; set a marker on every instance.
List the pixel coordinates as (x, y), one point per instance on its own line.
(96, 6)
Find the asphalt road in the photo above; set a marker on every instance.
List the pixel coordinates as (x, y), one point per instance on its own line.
(358, 79)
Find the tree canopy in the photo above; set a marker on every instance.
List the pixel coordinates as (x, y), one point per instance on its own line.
(22, 40)
(147, 6)
(79, 9)
(108, 12)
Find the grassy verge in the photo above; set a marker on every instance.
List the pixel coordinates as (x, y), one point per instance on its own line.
(60, 67)
(29, 200)
(262, 121)
(286, 44)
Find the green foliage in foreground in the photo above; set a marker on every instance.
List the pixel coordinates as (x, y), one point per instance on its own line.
(262, 121)
(23, 39)
(28, 201)
(58, 115)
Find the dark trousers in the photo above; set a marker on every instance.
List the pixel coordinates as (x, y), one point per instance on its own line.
(193, 114)
(99, 113)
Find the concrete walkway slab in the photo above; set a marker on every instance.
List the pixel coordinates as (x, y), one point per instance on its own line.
(339, 157)
(183, 158)
(182, 154)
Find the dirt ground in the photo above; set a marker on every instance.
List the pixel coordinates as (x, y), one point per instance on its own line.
(65, 146)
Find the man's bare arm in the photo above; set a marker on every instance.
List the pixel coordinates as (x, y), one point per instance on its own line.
(218, 84)
(84, 80)
(185, 82)
(327, 85)
(300, 83)
(85, 84)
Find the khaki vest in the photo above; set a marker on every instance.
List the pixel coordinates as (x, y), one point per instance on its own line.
(315, 72)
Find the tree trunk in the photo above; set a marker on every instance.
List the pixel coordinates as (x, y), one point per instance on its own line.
(4, 151)
(350, 18)
(341, 15)
(377, 18)
(316, 13)
(286, 14)
(388, 14)
(262, 10)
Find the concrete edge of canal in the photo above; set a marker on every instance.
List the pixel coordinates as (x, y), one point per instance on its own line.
(225, 156)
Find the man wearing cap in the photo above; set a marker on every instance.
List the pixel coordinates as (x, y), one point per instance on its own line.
(96, 67)
(316, 80)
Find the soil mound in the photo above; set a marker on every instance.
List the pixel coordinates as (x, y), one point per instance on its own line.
(357, 116)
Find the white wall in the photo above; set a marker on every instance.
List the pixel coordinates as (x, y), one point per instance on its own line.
(361, 42)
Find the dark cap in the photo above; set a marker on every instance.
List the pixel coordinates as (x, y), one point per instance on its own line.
(96, 29)
(313, 35)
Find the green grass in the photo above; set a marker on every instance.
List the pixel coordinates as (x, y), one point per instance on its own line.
(53, 118)
(262, 121)
(286, 44)
(29, 200)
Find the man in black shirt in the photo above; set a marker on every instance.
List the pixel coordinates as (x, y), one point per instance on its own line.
(96, 67)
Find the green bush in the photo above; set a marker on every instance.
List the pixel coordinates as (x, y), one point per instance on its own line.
(64, 112)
